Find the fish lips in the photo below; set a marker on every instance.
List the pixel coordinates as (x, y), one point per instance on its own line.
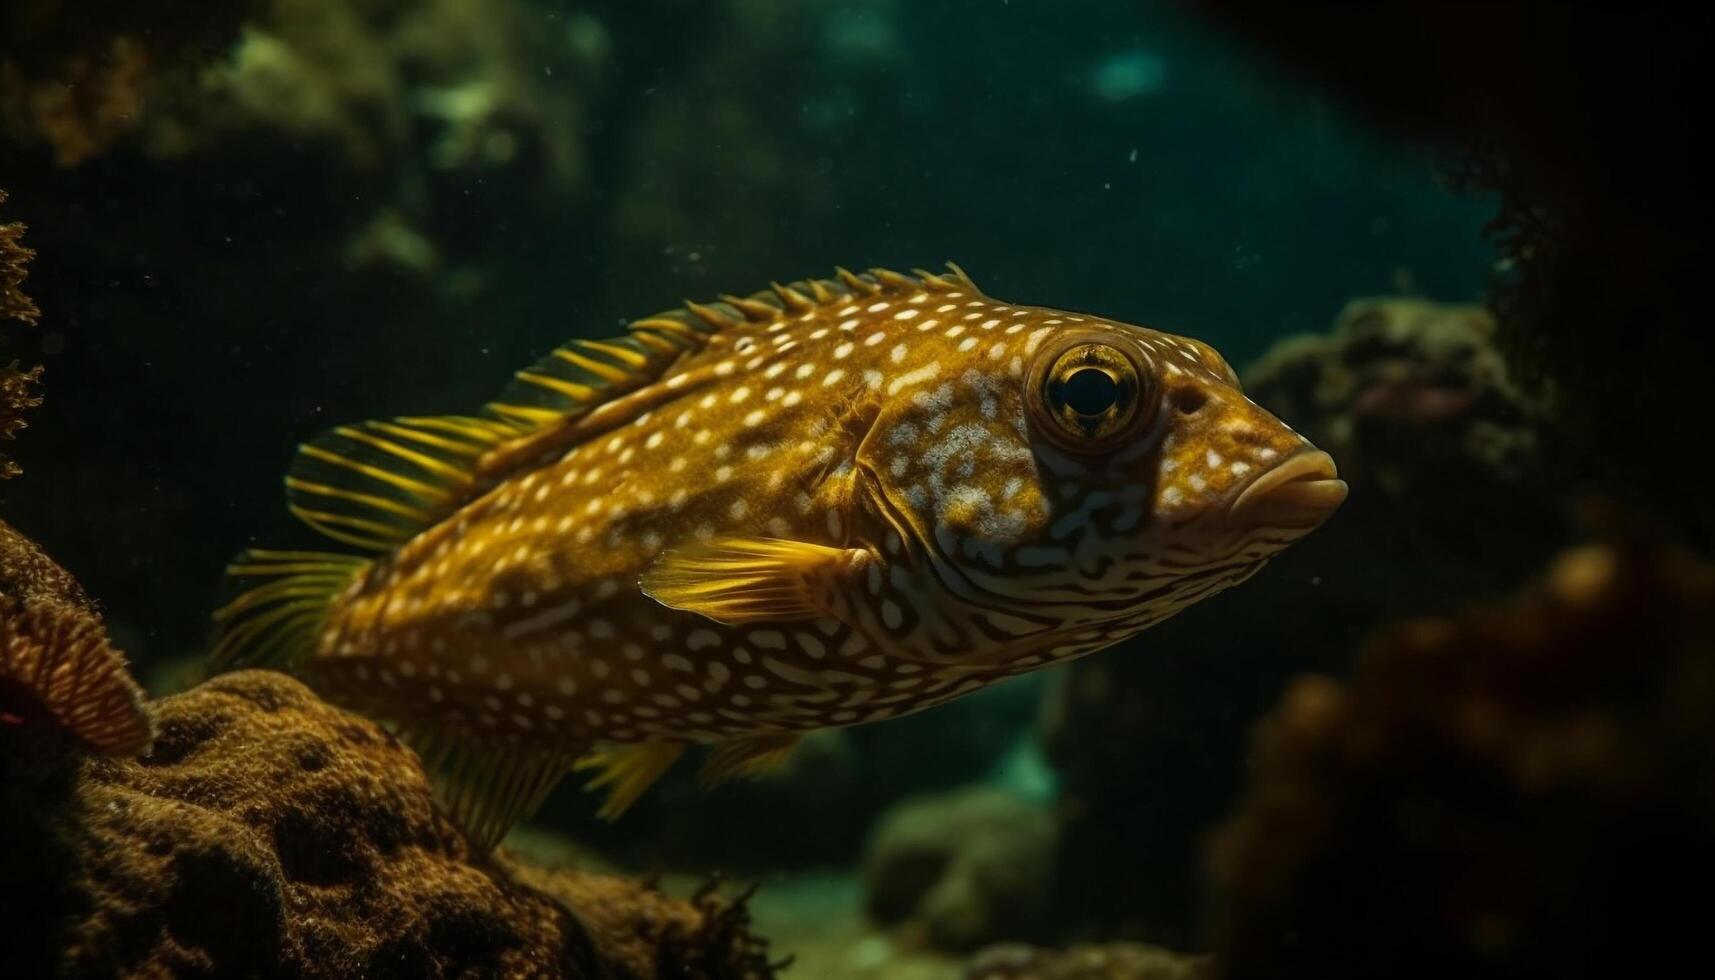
(1300, 492)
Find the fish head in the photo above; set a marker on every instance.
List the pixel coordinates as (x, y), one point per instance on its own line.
(1097, 477)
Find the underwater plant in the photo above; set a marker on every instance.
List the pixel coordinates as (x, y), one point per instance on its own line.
(835, 502)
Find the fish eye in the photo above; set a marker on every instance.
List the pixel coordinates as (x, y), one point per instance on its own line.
(1093, 396)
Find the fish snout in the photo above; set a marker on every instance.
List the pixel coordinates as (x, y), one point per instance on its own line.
(1300, 492)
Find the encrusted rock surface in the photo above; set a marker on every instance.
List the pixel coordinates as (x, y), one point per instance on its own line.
(956, 870)
(269, 834)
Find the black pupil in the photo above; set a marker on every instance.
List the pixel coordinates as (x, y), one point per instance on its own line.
(1090, 391)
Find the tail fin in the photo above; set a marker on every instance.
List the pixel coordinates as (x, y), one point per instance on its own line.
(274, 623)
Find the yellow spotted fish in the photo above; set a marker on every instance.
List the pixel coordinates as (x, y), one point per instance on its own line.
(830, 503)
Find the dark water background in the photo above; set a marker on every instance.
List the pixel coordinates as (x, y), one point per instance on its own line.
(208, 307)
(1125, 158)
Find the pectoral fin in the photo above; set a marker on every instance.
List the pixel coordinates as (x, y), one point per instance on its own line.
(746, 580)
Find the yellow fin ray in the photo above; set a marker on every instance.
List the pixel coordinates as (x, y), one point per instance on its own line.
(487, 785)
(747, 757)
(274, 622)
(745, 580)
(627, 771)
(375, 484)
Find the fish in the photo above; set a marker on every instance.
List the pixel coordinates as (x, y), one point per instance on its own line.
(829, 503)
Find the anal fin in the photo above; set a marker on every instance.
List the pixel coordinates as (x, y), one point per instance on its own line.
(487, 785)
(627, 771)
(745, 580)
(749, 757)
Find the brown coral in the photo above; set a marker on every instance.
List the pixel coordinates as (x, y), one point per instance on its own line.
(56, 658)
(1512, 793)
(14, 262)
(55, 662)
(17, 386)
(269, 834)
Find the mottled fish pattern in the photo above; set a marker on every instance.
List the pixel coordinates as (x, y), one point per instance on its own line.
(830, 503)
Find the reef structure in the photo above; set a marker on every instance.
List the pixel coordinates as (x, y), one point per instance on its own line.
(269, 834)
(956, 870)
(56, 665)
(1513, 792)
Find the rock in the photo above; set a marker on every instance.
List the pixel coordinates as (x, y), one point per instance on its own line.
(270, 834)
(1112, 961)
(961, 869)
(1513, 792)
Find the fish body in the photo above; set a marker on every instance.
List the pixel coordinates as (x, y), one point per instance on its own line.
(829, 504)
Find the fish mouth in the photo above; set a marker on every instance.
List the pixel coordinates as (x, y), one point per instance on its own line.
(1299, 493)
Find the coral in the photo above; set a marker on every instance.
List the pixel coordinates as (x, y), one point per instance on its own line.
(960, 869)
(14, 262)
(1447, 458)
(269, 834)
(60, 662)
(77, 76)
(1399, 370)
(643, 933)
(17, 386)
(56, 665)
(1419, 407)
(1513, 792)
(1114, 961)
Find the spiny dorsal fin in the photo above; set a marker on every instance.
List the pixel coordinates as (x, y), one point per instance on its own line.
(581, 374)
(374, 485)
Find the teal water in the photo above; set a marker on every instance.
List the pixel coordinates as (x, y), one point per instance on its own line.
(316, 237)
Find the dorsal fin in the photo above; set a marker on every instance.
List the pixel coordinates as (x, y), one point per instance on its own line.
(581, 374)
(376, 484)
